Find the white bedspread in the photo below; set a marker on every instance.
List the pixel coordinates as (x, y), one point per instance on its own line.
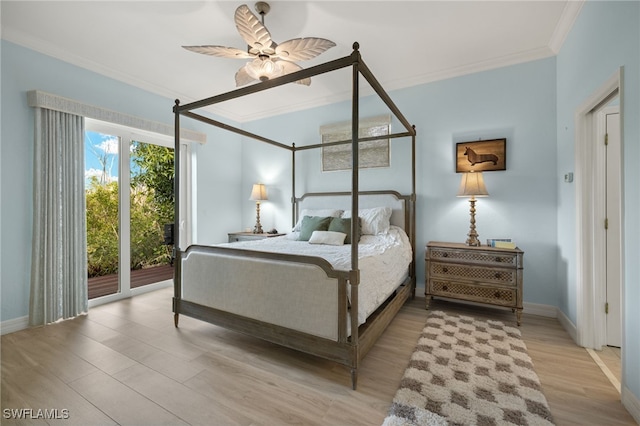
(383, 261)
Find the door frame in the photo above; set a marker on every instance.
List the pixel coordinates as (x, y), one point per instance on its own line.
(590, 232)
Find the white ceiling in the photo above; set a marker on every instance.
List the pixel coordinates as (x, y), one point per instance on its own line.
(404, 43)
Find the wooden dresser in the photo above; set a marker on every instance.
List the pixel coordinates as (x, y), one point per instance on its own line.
(478, 274)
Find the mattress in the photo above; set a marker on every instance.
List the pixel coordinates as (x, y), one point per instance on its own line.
(383, 261)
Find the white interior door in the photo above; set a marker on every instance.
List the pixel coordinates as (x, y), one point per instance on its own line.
(614, 227)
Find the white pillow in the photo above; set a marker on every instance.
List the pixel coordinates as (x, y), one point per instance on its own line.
(331, 238)
(315, 212)
(374, 221)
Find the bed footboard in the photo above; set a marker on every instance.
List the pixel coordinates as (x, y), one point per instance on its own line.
(300, 293)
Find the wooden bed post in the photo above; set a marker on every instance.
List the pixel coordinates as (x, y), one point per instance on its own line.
(412, 210)
(177, 263)
(354, 276)
(293, 185)
(355, 230)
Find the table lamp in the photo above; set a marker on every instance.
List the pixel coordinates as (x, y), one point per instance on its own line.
(258, 193)
(472, 185)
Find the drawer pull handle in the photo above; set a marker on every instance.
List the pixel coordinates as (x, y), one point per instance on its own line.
(445, 269)
(445, 288)
(497, 294)
(445, 254)
(497, 275)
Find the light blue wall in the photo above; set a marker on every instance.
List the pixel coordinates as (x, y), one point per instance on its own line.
(24, 70)
(605, 36)
(516, 102)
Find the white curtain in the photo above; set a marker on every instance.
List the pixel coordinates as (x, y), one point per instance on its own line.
(59, 258)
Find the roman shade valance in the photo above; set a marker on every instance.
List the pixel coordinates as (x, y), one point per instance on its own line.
(40, 99)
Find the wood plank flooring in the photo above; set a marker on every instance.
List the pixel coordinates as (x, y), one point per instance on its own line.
(125, 363)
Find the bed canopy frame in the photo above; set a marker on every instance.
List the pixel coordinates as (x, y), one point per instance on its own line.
(359, 68)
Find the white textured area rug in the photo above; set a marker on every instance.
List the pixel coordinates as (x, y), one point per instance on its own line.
(469, 372)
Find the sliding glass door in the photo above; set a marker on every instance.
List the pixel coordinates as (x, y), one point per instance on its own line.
(129, 178)
(151, 208)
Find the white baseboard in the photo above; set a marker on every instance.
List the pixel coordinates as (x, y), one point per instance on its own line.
(569, 326)
(631, 403)
(13, 325)
(540, 310)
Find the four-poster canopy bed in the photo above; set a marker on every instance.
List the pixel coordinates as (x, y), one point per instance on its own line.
(303, 301)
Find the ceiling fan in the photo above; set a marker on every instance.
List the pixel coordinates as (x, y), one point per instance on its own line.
(268, 59)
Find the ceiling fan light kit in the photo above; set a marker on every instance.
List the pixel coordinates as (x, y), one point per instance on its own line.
(267, 58)
(263, 68)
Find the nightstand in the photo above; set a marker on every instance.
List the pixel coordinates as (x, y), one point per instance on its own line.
(482, 274)
(249, 236)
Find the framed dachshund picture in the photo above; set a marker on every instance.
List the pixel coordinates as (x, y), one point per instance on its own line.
(481, 156)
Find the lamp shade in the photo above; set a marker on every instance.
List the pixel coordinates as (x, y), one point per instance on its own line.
(258, 192)
(472, 185)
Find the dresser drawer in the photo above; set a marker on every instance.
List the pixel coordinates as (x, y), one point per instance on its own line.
(452, 271)
(488, 258)
(483, 294)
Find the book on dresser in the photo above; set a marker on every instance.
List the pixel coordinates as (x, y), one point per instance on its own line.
(504, 244)
(501, 243)
(480, 274)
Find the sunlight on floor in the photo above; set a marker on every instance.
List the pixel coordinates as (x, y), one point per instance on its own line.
(608, 359)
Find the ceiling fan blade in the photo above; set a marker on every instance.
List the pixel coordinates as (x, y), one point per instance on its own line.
(220, 51)
(253, 32)
(289, 67)
(242, 77)
(301, 49)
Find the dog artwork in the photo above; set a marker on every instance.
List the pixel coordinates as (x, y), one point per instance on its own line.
(475, 158)
(481, 156)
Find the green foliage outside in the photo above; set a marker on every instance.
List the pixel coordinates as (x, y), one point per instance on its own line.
(152, 204)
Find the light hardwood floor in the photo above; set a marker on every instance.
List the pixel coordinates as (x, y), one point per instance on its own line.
(125, 363)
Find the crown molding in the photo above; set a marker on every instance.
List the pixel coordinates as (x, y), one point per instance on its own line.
(569, 15)
(487, 65)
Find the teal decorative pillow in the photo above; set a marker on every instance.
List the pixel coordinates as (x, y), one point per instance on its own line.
(343, 225)
(313, 223)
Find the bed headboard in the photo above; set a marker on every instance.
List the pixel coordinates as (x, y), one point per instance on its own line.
(400, 204)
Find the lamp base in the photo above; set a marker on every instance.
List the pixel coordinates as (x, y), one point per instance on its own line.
(258, 228)
(473, 240)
